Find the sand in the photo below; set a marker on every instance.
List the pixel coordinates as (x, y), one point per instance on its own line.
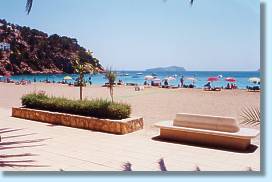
(154, 105)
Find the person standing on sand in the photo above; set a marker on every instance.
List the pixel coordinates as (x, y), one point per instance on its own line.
(165, 82)
(90, 80)
(181, 81)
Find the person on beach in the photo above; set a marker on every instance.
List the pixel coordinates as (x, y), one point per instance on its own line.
(228, 86)
(90, 80)
(208, 85)
(181, 81)
(145, 83)
(165, 82)
(120, 82)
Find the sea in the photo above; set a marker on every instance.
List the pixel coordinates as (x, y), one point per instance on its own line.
(138, 77)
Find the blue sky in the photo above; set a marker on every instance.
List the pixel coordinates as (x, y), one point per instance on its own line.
(140, 34)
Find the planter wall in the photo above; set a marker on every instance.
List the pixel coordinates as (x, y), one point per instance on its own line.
(91, 123)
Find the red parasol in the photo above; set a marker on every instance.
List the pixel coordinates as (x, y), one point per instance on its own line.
(213, 79)
(7, 75)
(230, 79)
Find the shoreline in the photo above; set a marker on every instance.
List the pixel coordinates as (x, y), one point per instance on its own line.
(115, 86)
(201, 78)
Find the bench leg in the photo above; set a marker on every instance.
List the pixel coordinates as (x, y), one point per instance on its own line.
(205, 139)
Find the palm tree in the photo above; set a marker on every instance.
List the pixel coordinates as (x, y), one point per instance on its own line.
(82, 67)
(29, 4)
(111, 76)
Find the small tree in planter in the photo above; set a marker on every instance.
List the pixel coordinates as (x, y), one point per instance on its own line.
(82, 67)
(111, 76)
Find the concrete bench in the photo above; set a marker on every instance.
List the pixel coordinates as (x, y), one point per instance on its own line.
(207, 130)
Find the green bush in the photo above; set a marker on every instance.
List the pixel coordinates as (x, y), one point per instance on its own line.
(95, 108)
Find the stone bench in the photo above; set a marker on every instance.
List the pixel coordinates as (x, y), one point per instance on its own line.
(207, 130)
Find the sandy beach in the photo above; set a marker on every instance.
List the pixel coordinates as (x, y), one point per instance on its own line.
(154, 105)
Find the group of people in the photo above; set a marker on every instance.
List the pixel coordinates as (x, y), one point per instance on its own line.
(6, 80)
(165, 83)
(182, 85)
(21, 82)
(157, 84)
(231, 86)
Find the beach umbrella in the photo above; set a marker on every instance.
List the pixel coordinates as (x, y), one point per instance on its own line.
(156, 80)
(67, 78)
(213, 79)
(230, 79)
(170, 78)
(149, 77)
(255, 80)
(7, 74)
(191, 79)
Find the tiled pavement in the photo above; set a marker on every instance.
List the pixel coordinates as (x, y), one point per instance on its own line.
(29, 145)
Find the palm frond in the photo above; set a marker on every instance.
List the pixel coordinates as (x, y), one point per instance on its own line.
(162, 165)
(249, 169)
(127, 166)
(251, 116)
(29, 4)
(197, 169)
(111, 76)
(191, 2)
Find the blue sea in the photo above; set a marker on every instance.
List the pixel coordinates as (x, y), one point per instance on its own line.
(134, 77)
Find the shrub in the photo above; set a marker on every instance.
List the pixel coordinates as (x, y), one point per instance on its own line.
(95, 108)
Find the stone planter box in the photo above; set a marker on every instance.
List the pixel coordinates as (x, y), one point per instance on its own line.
(120, 127)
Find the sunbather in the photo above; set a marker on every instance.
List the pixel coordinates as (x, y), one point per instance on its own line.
(208, 86)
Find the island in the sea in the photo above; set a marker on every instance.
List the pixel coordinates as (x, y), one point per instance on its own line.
(167, 69)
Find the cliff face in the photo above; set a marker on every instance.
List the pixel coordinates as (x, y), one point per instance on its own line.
(32, 51)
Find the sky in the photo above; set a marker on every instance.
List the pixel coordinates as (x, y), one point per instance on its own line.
(211, 35)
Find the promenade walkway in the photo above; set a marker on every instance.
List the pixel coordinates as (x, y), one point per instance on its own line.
(29, 145)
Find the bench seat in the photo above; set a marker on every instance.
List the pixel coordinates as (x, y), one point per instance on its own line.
(238, 140)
